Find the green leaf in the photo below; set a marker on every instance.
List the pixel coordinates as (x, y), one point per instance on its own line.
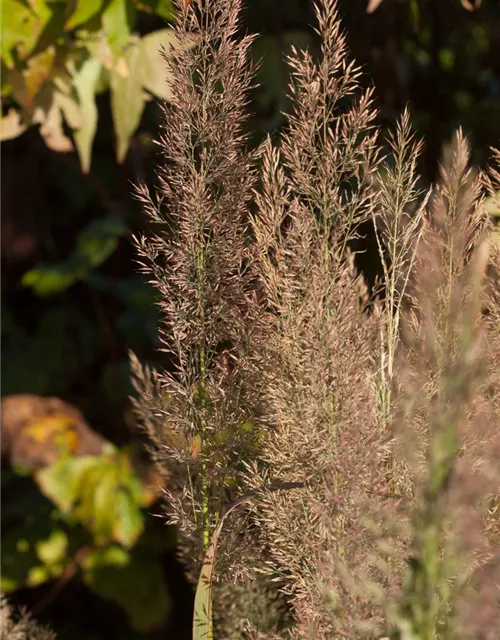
(66, 98)
(103, 493)
(162, 8)
(25, 546)
(53, 550)
(97, 507)
(118, 20)
(81, 11)
(94, 246)
(52, 31)
(127, 100)
(18, 557)
(85, 82)
(99, 239)
(13, 16)
(38, 575)
(151, 64)
(133, 579)
(47, 280)
(61, 481)
(22, 25)
(129, 523)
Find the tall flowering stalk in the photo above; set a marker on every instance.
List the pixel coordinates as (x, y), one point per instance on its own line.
(199, 414)
(304, 388)
(322, 424)
(447, 368)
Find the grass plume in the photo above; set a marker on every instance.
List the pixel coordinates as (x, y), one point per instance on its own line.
(198, 260)
(383, 414)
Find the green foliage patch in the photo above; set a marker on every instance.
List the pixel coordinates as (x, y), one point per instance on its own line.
(57, 55)
(87, 521)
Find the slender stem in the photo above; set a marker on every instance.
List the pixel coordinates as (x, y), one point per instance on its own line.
(203, 405)
(205, 507)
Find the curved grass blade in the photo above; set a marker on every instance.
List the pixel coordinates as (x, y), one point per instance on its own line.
(202, 620)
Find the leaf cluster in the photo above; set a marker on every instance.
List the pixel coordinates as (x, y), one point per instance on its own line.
(57, 55)
(87, 522)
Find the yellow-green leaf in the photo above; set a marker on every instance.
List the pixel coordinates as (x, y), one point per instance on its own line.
(22, 25)
(118, 20)
(127, 100)
(53, 27)
(61, 481)
(25, 547)
(151, 63)
(129, 522)
(70, 108)
(38, 575)
(53, 549)
(81, 11)
(85, 82)
(104, 494)
(162, 8)
(97, 46)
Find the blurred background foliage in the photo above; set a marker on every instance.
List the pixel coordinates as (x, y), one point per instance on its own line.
(80, 85)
